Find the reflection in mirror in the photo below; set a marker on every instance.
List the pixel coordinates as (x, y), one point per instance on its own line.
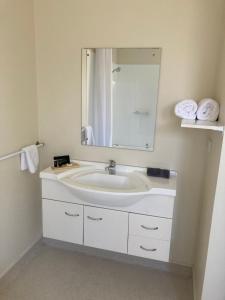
(119, 97)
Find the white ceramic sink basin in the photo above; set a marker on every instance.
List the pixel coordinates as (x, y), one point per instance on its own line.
(97, 186)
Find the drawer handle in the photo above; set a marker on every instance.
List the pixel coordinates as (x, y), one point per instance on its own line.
(149, 228)
(71, 215)
(146, 249)
(94, 219)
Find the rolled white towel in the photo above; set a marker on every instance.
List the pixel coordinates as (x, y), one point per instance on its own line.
(208, 110)
(186, 109)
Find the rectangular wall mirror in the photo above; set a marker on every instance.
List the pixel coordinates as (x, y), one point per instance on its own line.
(119, 97)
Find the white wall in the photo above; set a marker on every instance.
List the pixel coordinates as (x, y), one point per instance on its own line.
(213, 284)
(190, 47)
(209, 187)
(20, 215)
(209, 271)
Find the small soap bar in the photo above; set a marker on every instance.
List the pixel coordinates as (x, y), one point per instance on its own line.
(156, 172)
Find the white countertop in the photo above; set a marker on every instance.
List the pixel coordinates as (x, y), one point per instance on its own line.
(159, 186)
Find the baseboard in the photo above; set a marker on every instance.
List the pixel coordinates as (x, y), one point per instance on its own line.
(180, 270)
(20, 256)
(194, 286)
(195, 294)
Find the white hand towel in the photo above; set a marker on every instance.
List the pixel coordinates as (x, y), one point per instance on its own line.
(186, 109)
(29, 159)
(208, 110)
(89, 135)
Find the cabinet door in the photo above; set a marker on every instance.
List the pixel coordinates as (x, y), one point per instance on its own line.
(106, 229)
(151, 227)
(149, 248)
(62, 221)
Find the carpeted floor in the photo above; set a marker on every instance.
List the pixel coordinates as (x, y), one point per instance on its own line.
(48, 273)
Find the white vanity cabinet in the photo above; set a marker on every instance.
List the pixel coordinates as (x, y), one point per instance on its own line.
(105, 229)
(108, 229)
(142, 228)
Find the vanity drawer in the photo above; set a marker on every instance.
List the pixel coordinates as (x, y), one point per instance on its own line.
(151, 227)
(105, 229)
(62, 221)
(149, 248)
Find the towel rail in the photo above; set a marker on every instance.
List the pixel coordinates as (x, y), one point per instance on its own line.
(18, 152)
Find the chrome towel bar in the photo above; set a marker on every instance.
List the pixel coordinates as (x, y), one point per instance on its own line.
(18, 152)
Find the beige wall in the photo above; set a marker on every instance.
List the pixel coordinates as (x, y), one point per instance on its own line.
(190, 46)
(20, 221)
(220, 87)
(209, 271)
(139, 56)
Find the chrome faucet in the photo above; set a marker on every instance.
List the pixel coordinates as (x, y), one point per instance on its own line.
(111, 168)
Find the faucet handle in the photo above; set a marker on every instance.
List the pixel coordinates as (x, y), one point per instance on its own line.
(112, 163)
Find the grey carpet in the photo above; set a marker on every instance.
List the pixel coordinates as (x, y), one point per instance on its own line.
(48, 273)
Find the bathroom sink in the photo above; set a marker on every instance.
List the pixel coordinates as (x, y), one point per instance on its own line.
(98, 187)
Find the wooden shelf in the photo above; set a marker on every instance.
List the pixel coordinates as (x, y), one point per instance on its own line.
(216, 126)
